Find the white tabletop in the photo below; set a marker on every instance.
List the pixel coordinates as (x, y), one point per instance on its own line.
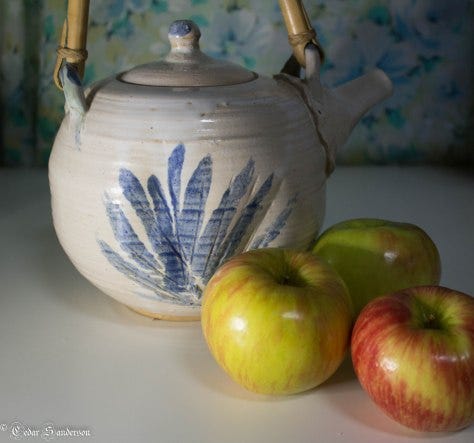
(73, 357)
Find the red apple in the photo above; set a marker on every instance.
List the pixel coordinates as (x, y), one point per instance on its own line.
(413, 352)
(277, 321)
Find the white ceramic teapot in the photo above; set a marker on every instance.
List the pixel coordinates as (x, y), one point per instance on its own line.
(161, 173)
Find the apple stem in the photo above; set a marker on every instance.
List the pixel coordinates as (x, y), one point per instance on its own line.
(427, 316)
(431, 321)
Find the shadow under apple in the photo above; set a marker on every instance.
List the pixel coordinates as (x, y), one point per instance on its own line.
(343, 393)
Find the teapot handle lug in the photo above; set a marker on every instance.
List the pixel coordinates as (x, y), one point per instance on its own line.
(313, 69)
(73, 91)
(75, 105)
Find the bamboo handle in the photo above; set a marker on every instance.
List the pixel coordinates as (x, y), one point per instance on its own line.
(299, 28)
(72, 47)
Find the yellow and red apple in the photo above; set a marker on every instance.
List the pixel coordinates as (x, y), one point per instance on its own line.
(277, 321)
(375, 257)
(413, 352)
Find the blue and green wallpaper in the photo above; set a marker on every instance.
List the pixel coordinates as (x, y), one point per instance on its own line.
(425, 46)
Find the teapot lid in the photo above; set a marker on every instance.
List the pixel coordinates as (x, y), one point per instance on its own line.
(186, 65)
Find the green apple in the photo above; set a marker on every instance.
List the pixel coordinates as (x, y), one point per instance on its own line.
(413, 352)
(278, 321)
(375, 257)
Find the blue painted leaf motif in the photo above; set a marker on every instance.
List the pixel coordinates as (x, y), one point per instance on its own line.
(184, 255)
(169, 248)
(131, 271)
(216, 228)
(273, 231)
(191, 215)
(135, 194)
(175, 167)
(128, 239)
(240, 233)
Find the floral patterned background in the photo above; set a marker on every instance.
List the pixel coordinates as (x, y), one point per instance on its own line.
(425, 46)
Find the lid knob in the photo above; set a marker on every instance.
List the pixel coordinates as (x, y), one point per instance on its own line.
(184, 36)
(185, 65)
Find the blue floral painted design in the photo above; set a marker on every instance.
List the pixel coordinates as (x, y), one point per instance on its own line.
(185, 253)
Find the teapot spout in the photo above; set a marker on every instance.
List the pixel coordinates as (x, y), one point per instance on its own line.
(361, 94)
(342, 108)
(335, 112)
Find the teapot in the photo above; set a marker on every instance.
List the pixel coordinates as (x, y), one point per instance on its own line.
(161, 173)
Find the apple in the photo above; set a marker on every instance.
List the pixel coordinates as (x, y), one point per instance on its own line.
(278, 321)
(375, 257)
(413, 352)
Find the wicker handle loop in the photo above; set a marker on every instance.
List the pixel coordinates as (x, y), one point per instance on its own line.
(299, 28)
(72, 46)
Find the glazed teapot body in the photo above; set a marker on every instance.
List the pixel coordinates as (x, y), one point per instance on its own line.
(156, 185)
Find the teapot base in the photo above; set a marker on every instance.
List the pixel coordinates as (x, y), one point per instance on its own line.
(167, 317)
